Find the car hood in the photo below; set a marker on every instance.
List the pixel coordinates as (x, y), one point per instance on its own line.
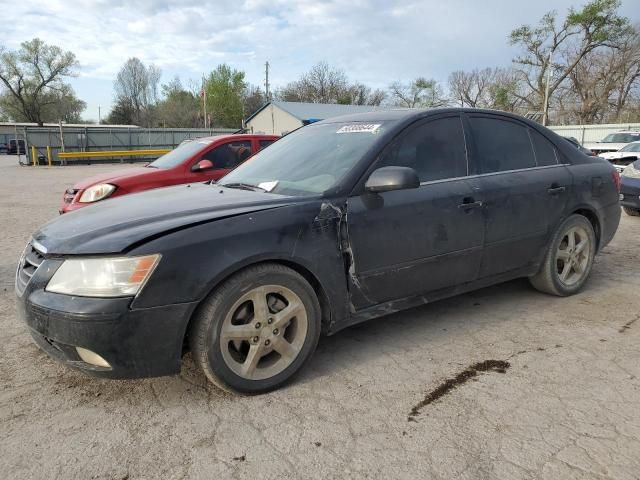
(611, 147)
(113, 226)
(611, 155)
(113, 177)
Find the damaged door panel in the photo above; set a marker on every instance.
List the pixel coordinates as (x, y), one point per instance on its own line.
(409, 242)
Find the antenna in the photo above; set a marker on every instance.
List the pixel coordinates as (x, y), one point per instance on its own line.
(266, 82)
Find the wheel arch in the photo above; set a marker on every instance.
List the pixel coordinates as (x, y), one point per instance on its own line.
(593, 218)
(297, 266)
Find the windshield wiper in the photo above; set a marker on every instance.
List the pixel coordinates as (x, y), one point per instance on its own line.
(243, 186)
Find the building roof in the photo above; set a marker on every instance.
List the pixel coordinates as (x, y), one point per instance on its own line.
(318, 111)
(65, 125)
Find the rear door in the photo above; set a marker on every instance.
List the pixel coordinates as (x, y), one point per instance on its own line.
(409, 242)
(524, 189)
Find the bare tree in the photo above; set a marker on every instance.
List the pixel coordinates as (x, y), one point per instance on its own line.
(470, 89)
(602, 83)
(418, 93)
(496, 88)
(33, 81)
(326, 84)
(595, 25)
(136, 86)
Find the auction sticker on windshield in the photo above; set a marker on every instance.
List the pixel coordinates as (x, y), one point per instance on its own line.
(359, 128)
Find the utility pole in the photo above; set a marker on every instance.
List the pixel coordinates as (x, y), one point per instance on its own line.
(99, 119)
(204, 101)
(266, 82)
(545, 113)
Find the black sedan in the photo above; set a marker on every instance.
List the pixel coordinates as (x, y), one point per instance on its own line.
(338, 222)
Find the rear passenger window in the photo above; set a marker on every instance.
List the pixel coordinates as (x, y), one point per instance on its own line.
(501, 145)
(544, 149)
(434, 149)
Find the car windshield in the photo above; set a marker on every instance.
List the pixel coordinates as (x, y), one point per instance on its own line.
(621, 138)
(632, 147)
(308, 161)
(180, 154)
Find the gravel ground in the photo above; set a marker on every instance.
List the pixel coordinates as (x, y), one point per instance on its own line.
(405, 396)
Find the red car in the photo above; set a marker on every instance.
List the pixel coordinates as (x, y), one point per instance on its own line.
(200, 160)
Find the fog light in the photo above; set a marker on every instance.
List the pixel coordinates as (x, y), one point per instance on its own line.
(92, 357)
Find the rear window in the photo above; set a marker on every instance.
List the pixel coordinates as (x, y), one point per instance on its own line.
(501, 145)
(544, 149)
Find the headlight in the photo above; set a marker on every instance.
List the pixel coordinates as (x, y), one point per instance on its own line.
(97, 192)
(103, 277)
(631, 172)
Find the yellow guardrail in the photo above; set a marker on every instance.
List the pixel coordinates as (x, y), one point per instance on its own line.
(114, 153)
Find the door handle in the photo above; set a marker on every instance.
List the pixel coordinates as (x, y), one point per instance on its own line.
(468, 203)
(555, 190)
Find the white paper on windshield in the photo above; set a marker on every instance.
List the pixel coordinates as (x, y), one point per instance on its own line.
(268, 186)
(359, 128)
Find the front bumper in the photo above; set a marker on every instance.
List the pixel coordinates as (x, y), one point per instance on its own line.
(135, 342)
(630, 192)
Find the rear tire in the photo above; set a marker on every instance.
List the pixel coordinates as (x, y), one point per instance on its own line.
(634, 212)
(568, 260)
(256, 330)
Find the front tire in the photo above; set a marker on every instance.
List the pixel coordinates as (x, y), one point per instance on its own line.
(569, 258)
(255, 331)
(634, 212)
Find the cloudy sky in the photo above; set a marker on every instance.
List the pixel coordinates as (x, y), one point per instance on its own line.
(374, 41)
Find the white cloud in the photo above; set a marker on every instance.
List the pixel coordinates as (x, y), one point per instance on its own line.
(374, 41)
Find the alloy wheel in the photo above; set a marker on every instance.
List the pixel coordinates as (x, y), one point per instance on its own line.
(572, 256)
(263, 332)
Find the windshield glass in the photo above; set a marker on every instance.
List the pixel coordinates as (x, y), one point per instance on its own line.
(310, 160)
(179, 154)
(621, 138)
(632, 147)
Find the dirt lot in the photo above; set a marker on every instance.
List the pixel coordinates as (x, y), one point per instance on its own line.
(421, 394)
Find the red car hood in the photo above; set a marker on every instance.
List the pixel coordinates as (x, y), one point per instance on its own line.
(113, 177)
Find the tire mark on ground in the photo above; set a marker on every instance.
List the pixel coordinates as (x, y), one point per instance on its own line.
(627, 325)
(499, 366)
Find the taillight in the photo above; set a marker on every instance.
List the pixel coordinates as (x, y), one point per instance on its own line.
(616, 179)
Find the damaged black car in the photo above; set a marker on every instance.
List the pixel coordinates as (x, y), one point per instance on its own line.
(338, 222)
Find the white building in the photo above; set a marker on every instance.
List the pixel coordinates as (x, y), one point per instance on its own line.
(280, 118)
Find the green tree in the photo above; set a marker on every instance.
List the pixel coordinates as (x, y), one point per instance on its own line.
(225, 88)
(34, 90)
(179, 107)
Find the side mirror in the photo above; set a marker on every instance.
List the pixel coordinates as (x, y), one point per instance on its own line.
(386, 179)
(202, 165)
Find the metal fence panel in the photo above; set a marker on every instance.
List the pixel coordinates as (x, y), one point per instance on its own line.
(592, 133)
(92, 139)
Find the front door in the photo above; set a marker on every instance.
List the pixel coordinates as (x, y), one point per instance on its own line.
(411, 242)
(224, 158)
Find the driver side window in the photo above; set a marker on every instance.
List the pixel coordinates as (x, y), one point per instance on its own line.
(435, 149)
(228, 155)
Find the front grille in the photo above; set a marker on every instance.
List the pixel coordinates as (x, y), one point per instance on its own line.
(29, 262)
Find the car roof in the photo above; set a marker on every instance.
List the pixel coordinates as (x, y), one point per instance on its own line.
(407, 114)
(239, 136)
